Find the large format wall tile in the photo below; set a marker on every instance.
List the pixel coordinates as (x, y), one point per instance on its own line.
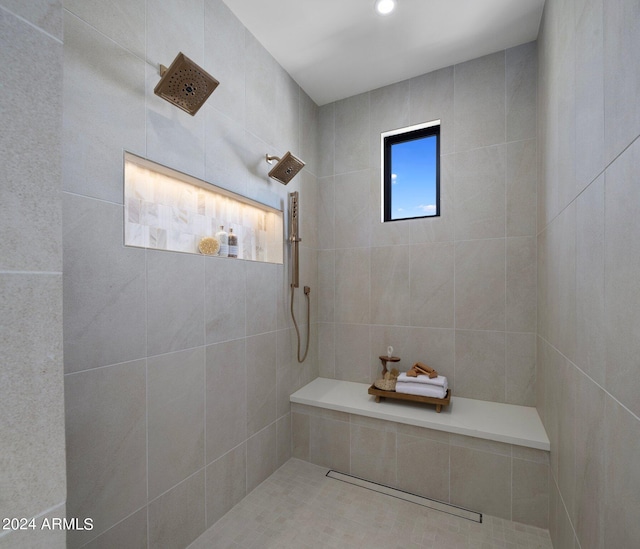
(352, 210)
(480, 102)
(352, 346)
(412, 451)
(104, 98)
(352, 134)
(123, 21)
(260, 91)
(431, 98)
(480, 365)
(261, 381)
(621, 75)
(260, 297)
(309, 132)
(432, 285)
(175, 308)
(622, 480)
(521, 369)
(262, 456)
(390, 285)
(226, 483)
(174, 26)
(480, 284)
(176, 418)
(226, 398)
(530, 493)
(104, 287)
(106, 445)
(480, 187)
(373, 450)
(521, 188)
(622, 265)
(589, 93)
(131, 532)
(352, 285)
(178, 517)
(224, 59)
(391, 105)
(227, 151)
(326, 140)
(590, 464)
(224, 299)
(561, 289)
(520, 74)
(284, 440)
(481, 480)
(326, 213)
(590, 273)
(521, 284)
(322, 440)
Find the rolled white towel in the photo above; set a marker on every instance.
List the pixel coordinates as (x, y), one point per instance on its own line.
(439, 381)
(421, 389)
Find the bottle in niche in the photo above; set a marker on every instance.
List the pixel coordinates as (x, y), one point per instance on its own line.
(223, 238)
(233, 244)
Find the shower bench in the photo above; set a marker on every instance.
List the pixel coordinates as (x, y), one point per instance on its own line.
(495, 421)
(486, 456)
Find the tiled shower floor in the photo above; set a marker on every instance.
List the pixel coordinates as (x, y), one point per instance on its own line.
(298, 507)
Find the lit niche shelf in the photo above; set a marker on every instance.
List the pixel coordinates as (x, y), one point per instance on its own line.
(168, 210)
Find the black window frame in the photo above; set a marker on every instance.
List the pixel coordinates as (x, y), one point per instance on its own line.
(404, 135)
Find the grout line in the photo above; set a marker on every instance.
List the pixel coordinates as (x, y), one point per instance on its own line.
(27, 22)
(607, 393)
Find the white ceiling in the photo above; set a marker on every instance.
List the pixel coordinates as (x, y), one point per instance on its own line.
(339, 48)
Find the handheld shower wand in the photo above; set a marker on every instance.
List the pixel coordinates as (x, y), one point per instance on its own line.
(294, 240)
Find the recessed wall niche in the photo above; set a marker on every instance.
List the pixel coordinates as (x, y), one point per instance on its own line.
(168, 210)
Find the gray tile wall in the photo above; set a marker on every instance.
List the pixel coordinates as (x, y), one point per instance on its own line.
(178, 368)
(588, 269)
(32, 470)
(501, 480)
(459, 291)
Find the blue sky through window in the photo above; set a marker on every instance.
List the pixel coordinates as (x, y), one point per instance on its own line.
(413, 178)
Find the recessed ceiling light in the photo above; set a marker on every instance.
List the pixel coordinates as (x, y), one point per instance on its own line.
(385, 7)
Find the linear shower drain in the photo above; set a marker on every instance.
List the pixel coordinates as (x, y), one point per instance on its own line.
(407, 496)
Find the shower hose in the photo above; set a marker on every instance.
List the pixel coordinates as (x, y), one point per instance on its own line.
(307, 291)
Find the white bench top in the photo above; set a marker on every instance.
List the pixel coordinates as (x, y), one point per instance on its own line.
(508, 423)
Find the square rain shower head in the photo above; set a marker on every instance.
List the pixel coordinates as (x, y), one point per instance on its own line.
(185, 84)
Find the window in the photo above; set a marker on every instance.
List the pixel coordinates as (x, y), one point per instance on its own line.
(411, 172)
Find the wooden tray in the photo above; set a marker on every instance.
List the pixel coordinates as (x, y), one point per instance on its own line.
(439, 402)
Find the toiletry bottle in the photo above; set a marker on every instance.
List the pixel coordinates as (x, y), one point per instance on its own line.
(223, 238)
(233, 244)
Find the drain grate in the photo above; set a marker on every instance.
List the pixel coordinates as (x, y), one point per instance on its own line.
(407, 496)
